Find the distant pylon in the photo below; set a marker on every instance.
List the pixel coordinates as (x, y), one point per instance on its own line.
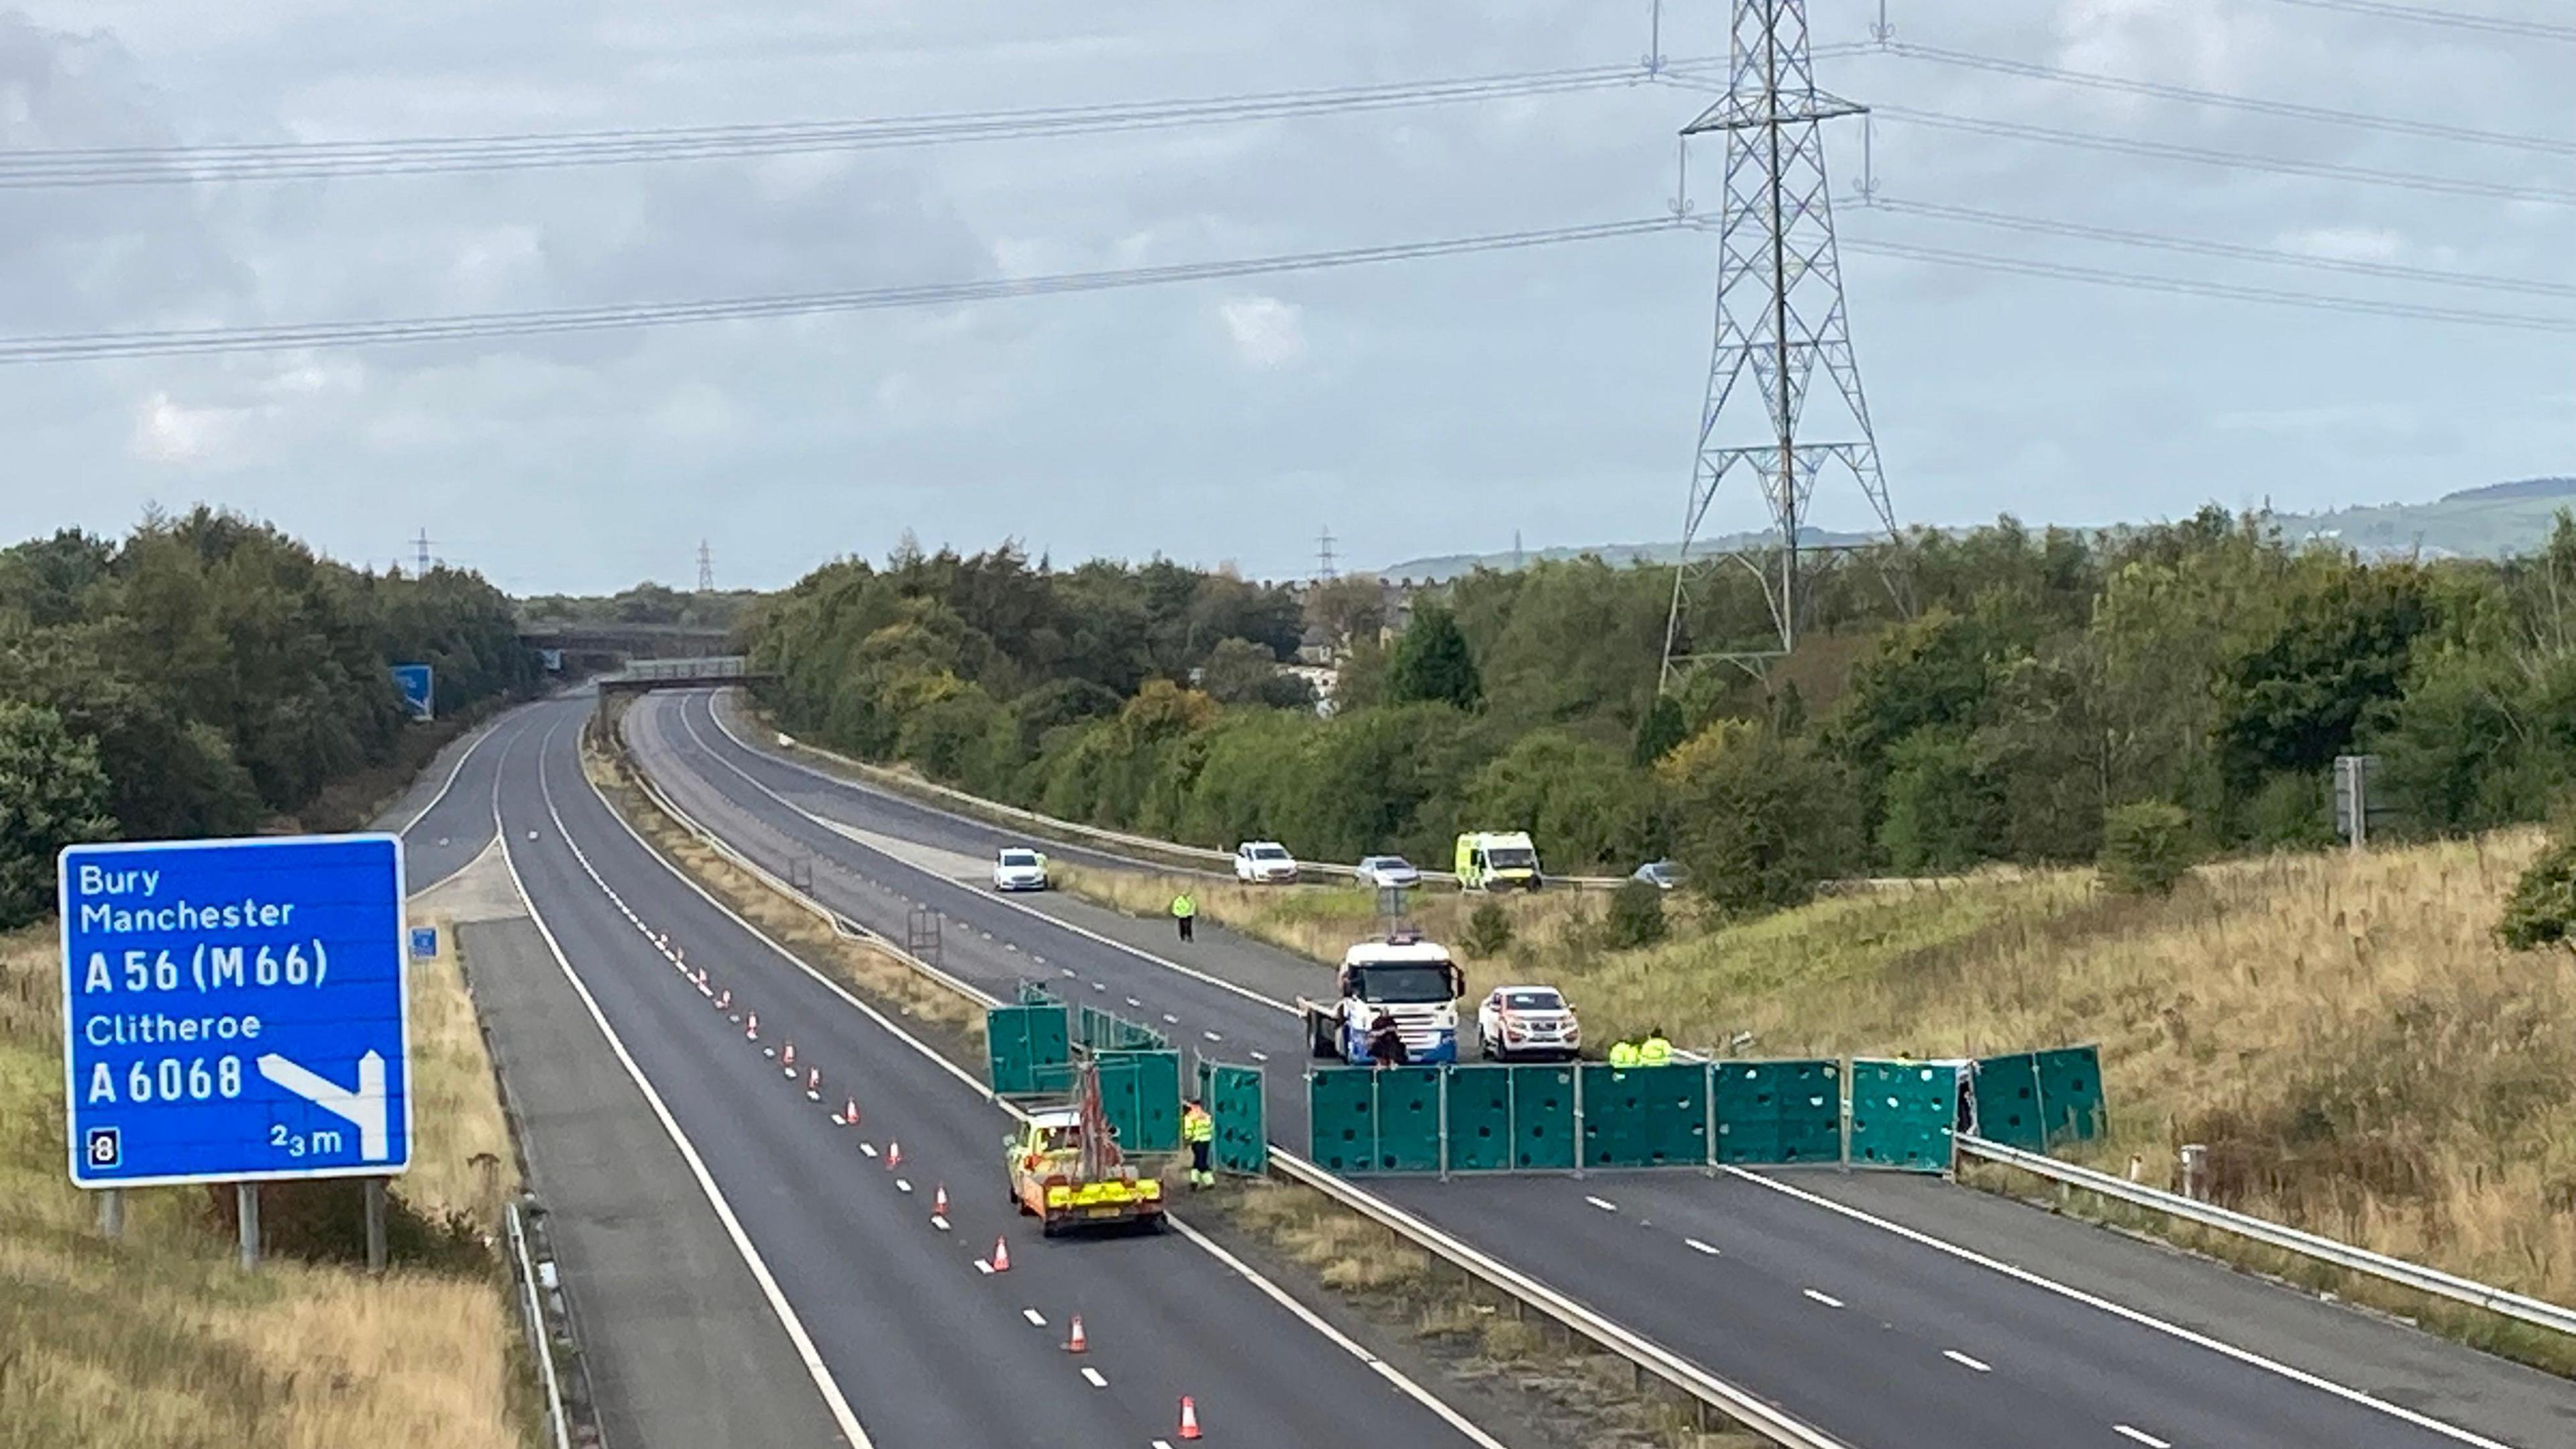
(1780, 316)
(1324, 572)
(420, 555)
(706, 569)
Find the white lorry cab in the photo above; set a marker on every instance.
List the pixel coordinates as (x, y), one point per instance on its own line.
(1405, 978)
(1497, 860)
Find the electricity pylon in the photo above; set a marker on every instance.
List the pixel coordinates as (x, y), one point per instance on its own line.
(1780, 317)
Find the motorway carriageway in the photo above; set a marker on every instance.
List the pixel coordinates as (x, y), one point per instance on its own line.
(909, 1336)
(1874, 1330)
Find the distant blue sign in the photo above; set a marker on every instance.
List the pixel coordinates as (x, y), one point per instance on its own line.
(417, 694)
(552, 659)
(424, 943)
(235, 1010)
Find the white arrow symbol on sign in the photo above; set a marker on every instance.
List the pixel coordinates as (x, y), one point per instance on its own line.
(364, 1108)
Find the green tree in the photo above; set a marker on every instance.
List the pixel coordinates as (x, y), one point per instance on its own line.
(1241, 672)
(1635, 917)
(2146, 847)
(1581, 802)
(2542, 909)
(1758, 820)
(2343, 649)
(1943, 812)
(1431, 663)
(1489, 931)
(52, 794)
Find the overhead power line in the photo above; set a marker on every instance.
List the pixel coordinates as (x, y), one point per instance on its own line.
(479, 325)
(292, 160)
(2448, 19)
(2278, 165)
(2193, 287)
(2257, 105)
(2269, 256)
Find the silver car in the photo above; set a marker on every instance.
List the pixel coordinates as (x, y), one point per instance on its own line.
(1388, 872)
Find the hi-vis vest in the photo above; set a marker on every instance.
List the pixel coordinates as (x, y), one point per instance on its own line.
(1197, 1126)
(1623, 1054)
(1655, 1052)
(1183, 906)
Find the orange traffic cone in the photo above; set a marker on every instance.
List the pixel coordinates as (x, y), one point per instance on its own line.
(724, 998)
(751, 1027)
(1075, 1342)
(850, 1113)
(1189, 1418)
(787, 1059)
(939, 1202)
(1001, 1255)
(894, 1156)
(814, 1085)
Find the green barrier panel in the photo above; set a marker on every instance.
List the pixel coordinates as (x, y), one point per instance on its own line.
(1341, 1119)
(1140, 1093)
(1543, 1118)
(1233, 1096)
(1901, 1114)
(1408, 1119)
(1645, 1116)
(2070, 1094)
(2008, 1104)
(1770, 1113)
(1025, 1048)
(1480, 1118)
(1102, 1032)
(1033, 993)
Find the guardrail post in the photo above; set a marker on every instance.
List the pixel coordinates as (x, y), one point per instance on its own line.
(2195, 1166)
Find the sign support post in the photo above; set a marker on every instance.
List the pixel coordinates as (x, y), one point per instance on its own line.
(375, 1225)
(246, 1207)
(111, 1214)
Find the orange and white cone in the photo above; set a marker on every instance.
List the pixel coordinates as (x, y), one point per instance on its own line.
(751, 1027)
(894, 1155)
(814, 1085)
(1074, 1342)
(850, 1113)
(1001, 1255)
(1189, 1418)
(724, 999)
(787, 1060)
(939, 1201)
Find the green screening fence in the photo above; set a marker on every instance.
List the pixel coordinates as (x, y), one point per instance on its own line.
(1102, 1031)
(2039, 1100)
(1027, 1050)
(1140, 1094)
(1233, 1097)
(1902, 1114)
(1896, 1115)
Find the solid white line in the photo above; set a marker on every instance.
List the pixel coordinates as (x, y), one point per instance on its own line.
(1035, 1318)
(1827, 1299)
(1092, 1376)
(2132, 1315)
(2141, 1435)
(1059, 922)
(833, 1399)
(1603, 1204)
(1339, 1339)
(1268, 1289)
(1961, 1359)
(1696, 1246)
(481, 737)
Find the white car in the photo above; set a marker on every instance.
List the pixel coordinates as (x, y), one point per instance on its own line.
(1264, 862)
(1388, 872)
(1527, 1021)
(1018, 868)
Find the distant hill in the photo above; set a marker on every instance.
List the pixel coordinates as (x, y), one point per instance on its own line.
(2490, 522)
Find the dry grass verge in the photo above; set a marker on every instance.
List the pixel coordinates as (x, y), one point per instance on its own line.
(159, 1341)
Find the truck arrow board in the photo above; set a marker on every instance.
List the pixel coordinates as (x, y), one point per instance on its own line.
(235, 1010)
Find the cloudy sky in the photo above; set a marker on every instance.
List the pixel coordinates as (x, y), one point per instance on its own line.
(1413, 409)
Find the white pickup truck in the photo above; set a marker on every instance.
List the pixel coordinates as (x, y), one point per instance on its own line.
(1404, 978)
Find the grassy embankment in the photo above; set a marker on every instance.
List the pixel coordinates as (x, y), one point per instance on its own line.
(159, 1341)
(2362, 1057)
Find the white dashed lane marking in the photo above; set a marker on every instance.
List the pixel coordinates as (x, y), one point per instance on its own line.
(1035, 1318)
(1696, 1246)
(1963, 1361)
(1827, 1299)
(1092, 1376)
(2140, 1435)
(1603, 1204)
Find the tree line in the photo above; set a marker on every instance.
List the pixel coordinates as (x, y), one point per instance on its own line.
(1997, 694)
(208, 674)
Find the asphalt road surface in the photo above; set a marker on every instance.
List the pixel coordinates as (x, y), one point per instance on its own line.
(446, 818)
(902, 1334)
(1886, 1311)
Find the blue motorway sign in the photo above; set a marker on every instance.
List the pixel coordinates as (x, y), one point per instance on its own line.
(418, 693)
(235, 1009)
